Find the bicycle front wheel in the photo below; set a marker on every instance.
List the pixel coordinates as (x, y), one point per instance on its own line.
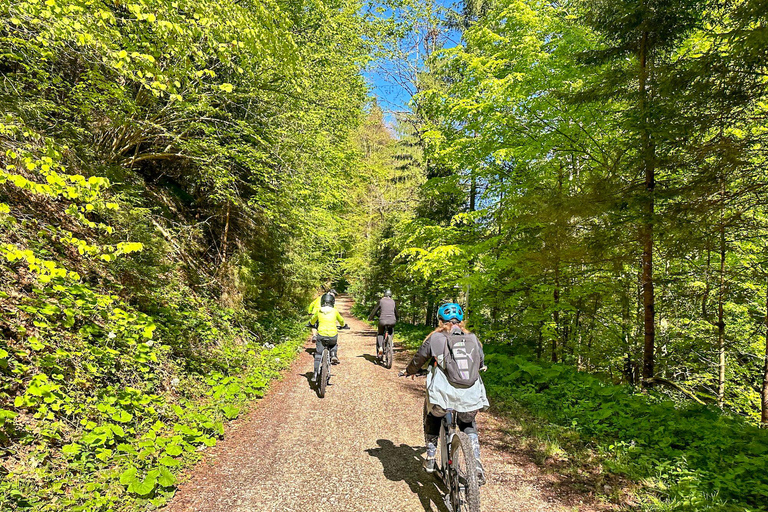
(325, 370)
(464, 486)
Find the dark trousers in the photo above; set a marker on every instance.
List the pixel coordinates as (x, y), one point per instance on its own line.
(465, 421)
(383, 328)
(322, 342)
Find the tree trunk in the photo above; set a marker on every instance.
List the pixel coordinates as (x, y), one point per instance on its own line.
(556, 314)
(225, 237)
(764, 415)
(646, 231)
(431, 320)
(472, 193)
(720, 315)
(540, 341)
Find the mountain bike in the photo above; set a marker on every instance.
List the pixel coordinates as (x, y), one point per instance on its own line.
(456, 466)
(324, 377)
(388, 351)
(455, 463)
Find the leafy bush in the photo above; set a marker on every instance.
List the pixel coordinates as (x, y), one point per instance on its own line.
(695, 456)
(103, 401)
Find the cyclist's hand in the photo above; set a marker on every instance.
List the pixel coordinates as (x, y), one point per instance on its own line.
(483, 368)
(402, 373)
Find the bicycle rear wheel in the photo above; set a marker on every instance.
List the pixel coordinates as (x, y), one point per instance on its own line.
(463, 483)
(388, 352)
(325, 370)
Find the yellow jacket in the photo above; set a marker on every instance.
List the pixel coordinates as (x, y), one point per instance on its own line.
(327, 317)
(314, 307)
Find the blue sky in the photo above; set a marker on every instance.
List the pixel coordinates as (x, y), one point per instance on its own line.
(391, 96)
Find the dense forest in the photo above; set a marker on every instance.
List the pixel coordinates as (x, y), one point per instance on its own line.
(178, 178)
(595, 182)
(172, 180)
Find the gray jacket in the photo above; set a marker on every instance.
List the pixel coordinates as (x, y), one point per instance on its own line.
(439, 390)
(387, 311)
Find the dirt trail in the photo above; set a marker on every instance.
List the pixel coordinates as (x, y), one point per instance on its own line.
(358, 449)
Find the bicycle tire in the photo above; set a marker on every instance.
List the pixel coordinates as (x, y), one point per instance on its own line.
(325, 368)
(464, 486)
(388, 352)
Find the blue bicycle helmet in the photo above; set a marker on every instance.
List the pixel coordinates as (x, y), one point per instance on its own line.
(450, 311)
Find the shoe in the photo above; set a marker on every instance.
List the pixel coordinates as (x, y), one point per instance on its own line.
(335, 360)
(380, 353)
(480, 473)
(429, 465)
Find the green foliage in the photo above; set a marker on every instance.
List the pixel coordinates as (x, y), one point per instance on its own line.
(172, 180)
(537, 143)
(691, 457)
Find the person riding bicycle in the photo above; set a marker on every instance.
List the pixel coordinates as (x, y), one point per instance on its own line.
(465, 395)
(313, 307)
(326, 319)
(388, 317)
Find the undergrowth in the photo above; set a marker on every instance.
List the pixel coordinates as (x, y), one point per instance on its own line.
(117, 368)
(687, 457)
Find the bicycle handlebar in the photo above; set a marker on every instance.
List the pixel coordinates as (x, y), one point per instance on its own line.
(420, 373)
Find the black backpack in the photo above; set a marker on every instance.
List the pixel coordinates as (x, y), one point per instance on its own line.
(462, 359)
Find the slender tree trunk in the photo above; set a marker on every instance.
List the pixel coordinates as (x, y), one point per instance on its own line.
(556, 314)
(472, 193)
(540, 341)
(225, 237)
(577, 344)
(764, 415)
(720, 316)
(646, 232)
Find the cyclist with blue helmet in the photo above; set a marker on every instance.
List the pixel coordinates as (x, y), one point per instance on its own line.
(451, 386)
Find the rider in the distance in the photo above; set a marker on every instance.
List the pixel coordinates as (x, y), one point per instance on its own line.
(326, 319)
(441, 393)
(314, 307)
(388, 317)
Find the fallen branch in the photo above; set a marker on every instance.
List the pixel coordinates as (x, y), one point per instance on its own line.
(658, 380)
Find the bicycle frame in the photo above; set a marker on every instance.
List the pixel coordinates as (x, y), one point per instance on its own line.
(447, 431)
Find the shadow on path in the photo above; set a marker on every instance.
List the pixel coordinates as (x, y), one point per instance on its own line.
(370, 358)
(404, 463)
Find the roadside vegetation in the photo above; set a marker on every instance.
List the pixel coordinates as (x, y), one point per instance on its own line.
(170, 197)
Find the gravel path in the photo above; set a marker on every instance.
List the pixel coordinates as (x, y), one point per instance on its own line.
(358, 449)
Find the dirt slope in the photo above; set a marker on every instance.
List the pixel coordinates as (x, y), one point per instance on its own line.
(358, 449)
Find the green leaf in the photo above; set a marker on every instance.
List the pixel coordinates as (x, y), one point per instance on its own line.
(122, 416)
(230, 412)
(174, 450)
(35, 343)
(142, 487)
(128, 476)
(166, 478)
(71, 449)
(116, 429)
(169, 461)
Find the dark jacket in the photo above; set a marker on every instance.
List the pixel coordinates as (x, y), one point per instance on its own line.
(387, 311)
